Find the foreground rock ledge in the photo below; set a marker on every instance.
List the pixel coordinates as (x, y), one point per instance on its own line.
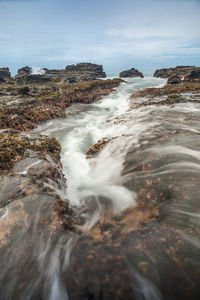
(35, 215)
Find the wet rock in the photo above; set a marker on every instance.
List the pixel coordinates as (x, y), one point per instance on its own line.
(4, 74)
(13, 146)
(33, 214)
(131, 73)
(96, 148)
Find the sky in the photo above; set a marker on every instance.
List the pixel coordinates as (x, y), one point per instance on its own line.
(119, 34)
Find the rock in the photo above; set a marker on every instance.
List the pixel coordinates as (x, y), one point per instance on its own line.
(177, 71)
(72, 74)
(96, 148)
(32, 79)
(131, 73)
(4, 74)
(174, 79)
(24, 71)
(40, 103)
(24, 90)
(25, 76)
(87, 69)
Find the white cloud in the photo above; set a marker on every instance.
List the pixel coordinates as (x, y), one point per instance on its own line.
(5, 36)
(158, 30)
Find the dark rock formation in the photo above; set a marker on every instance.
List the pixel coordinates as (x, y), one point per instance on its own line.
(177, 71)
(25, 76)
(86, 70)
(4, 74)
(131, 73)
(24, 71)
(32, 79)
(71, 74)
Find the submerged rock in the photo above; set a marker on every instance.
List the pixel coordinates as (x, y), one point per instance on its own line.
(131, 73)
(96, 148)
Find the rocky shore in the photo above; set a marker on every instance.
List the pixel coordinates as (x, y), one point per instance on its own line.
(151, 250)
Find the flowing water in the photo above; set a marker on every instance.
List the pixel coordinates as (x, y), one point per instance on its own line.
(136, 205)
(99, 178)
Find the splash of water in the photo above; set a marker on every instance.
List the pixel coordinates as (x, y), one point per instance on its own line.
(37, 71)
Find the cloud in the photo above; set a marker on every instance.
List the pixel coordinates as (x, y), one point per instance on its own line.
(165, 31)
(108, 32)
(5, 36)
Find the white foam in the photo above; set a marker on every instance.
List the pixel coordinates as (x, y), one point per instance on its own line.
(37, 71)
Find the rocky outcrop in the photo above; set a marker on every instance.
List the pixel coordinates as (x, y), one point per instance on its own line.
(179, 71)
(24, 71)
(131, 73)
(72, 74)
(86, 70)
(4, 74)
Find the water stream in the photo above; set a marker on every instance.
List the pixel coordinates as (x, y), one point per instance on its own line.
(84, 126)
